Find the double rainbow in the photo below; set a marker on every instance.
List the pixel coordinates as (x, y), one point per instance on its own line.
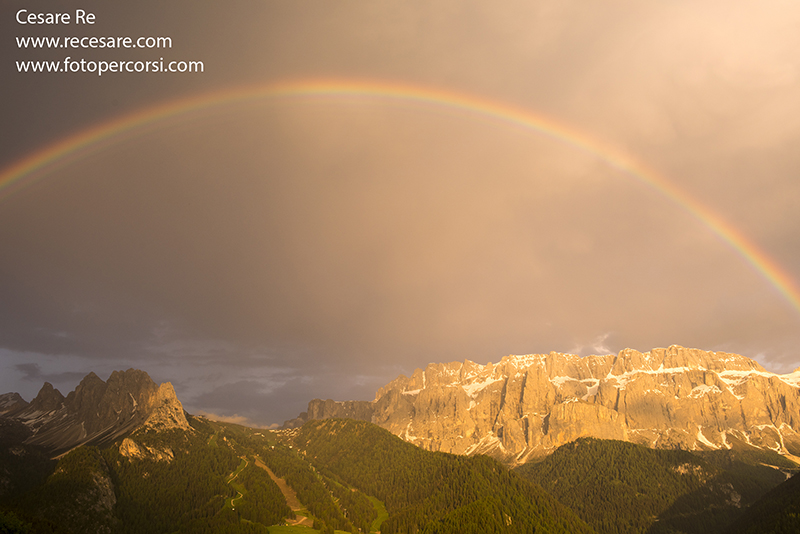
(43, 162)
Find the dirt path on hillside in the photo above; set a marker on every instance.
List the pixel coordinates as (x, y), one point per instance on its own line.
(234, 475)
(290, 496)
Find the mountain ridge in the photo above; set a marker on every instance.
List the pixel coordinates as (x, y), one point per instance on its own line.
(150, 451)
(96, 412)
(523, 407)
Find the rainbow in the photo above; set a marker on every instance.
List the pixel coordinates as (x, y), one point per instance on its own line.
(43, 162)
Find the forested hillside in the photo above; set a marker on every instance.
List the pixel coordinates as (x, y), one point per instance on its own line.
(22, 466)
(187, 490)
(347, 476)
(777, 512)
(430, 492)
(622, 488)
(334, 506)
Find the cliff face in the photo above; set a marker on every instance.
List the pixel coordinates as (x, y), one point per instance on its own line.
(131, 449)
(327, 409)
(526, 406)
(165, 410)
(99, 412)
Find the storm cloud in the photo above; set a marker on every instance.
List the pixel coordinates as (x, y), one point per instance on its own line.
(264, 253)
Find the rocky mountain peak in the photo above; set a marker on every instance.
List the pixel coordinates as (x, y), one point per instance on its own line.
(133, 383)
(85, 399)
(48, 399)
(90, 380)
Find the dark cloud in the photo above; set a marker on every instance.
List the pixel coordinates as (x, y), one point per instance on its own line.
(32, 372)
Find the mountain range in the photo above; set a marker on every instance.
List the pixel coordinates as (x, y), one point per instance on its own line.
(672, 440)
(524, 407)
(96, 412)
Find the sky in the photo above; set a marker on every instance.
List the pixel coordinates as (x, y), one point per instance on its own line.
(536, 176)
